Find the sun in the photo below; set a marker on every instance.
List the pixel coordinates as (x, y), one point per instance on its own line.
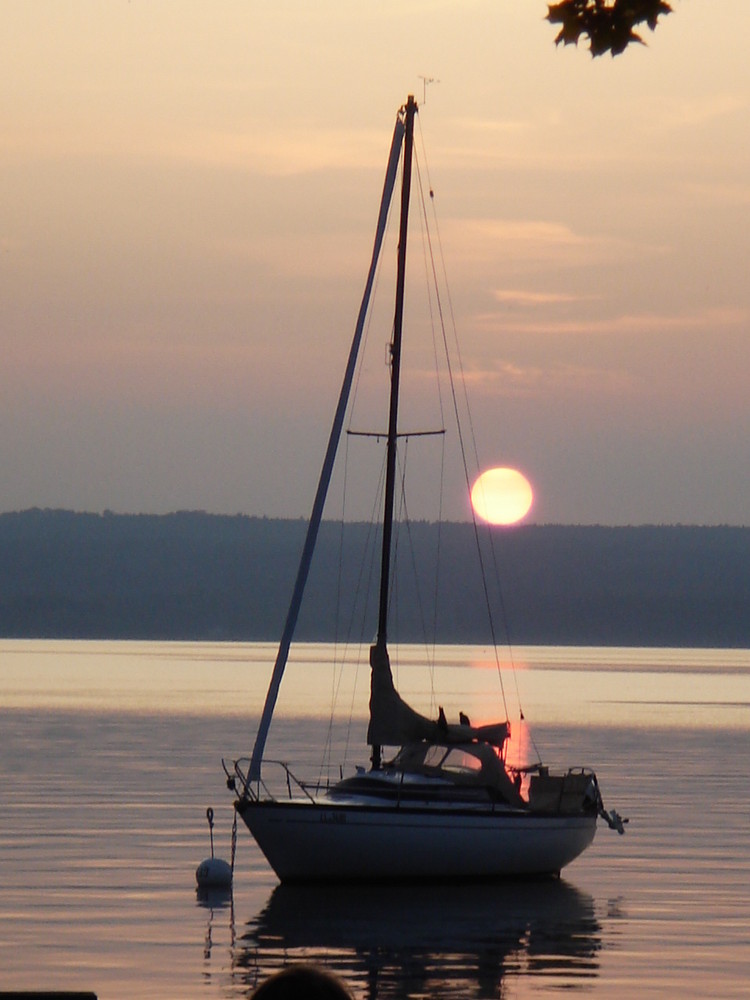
(502, 496)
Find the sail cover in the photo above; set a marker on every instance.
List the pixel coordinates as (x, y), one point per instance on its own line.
(394, 723)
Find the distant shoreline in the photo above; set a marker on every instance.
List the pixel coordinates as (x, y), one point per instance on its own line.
(193, 576)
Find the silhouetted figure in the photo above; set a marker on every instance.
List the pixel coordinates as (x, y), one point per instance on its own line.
(302, 982)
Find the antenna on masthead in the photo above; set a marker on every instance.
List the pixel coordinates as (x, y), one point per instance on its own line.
(425, 81)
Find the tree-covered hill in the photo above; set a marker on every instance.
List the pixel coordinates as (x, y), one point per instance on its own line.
(198, 576)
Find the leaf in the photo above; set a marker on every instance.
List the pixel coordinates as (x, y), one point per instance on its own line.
(608, 26)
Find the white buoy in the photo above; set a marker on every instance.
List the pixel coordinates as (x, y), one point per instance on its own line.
(213, 873)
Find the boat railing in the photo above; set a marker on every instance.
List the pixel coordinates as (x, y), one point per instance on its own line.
(282, 783)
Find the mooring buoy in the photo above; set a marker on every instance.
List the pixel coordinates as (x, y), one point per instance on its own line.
(213, 873)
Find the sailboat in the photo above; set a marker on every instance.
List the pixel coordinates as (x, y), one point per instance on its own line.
(443, 804)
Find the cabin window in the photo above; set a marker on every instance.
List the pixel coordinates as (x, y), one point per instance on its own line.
(434, 756)
(460, 762)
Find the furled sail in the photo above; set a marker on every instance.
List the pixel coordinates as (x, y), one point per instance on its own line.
(394, 723)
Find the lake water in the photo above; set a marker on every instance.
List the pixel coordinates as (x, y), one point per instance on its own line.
(110, 754)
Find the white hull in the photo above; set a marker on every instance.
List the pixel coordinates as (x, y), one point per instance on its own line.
(307, 841)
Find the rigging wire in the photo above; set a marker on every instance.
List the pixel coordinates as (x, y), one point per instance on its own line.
(431, 648)
(433, 290)
(474, 445)
(368, 323)
(339, 653)
(462, 446)
(362, 592)
(366, 584)
(428, 635)
(342, 645)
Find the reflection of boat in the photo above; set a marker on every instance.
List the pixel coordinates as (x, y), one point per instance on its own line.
(446, 805)
(397, 941)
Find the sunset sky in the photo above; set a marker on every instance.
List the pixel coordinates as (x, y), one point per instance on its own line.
(188, 193)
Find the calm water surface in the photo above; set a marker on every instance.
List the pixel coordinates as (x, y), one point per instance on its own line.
(110, 754)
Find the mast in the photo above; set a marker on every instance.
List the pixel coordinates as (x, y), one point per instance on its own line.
(395, 352)
(379, 652)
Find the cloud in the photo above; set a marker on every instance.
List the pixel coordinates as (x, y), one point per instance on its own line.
(527, 299)
(719, 193)
(295, 150)
(508, 378)
(702, 110)
(531, 242)
(522, 241)
(524, 144)
(622, 324)
(254, 148)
